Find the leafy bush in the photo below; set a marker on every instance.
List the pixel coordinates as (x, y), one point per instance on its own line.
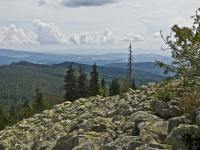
(184, 43)
(166, 91)
(190, 102)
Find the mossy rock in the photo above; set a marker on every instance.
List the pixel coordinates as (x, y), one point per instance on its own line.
(185, 137)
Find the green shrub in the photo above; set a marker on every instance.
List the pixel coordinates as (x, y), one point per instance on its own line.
(166, 91)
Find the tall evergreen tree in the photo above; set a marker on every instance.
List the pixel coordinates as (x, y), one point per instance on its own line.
(70, 84)
(131, 78)
(114, 88)
(94, 81)
(38, 104)
(125, 85)
(82, 83)
(103, 90)
(134, 87)
(103, 83)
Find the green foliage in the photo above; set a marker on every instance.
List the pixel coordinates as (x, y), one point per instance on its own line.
(114, 88)
(134, 87)
(103, 90)
(189, 102)
(185, 45)
(2, 118)
(49, 78)
(38, 104)
(167, 90)
(82, 83)
(94, 81)
(125, 85)
(70, 84)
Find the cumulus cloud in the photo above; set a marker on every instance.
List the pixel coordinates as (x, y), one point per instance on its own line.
(48, 33)
(134, 38)
(13, 35)
(107, 36)
(76, 3)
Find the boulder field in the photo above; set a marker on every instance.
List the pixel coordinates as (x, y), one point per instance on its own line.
(130, 121)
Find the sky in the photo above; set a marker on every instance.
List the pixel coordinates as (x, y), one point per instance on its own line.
(91, 26)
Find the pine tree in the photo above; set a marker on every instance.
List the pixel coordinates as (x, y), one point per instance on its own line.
(38, 104)
(125, 85)
(2, 122)
(70, 84)
(82, 83)
(94, 81)
(114, 88)
(103, 90)
(134, 87)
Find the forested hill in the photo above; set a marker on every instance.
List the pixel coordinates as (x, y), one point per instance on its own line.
(19, 80)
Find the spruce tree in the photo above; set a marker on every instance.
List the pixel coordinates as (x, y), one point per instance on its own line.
(114, 88)
(103, 90)
(70, 84)
(125, 85)
(94, 81)
(38, 104)
(82, 83)
(134, 87)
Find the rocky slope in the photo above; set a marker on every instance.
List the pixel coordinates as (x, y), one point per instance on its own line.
(134, 120)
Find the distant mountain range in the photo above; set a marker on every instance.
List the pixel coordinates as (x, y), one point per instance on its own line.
(21, 72)
(9, 56)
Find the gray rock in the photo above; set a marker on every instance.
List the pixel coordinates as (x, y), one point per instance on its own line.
(88, 145)
(67, 142)
(135, 144)
(185, 137)
(197, 121)
(109, 147)
(2, 147)
(164, 110)
(153, 132)
(99, 128)
(175, 122)
(196, 117)
(123, 141)
(142, 116)
(158, 106)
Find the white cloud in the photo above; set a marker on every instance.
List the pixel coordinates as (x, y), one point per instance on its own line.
(13, 35)
(107, 36)
(134, 38)
(76, 3)
(74, 39)
(49, 33)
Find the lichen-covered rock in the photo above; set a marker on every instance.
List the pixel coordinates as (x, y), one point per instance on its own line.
(174, 122)
(185, 137)
(165, 110)
(153, 132)
(196, 117)
(124, 122)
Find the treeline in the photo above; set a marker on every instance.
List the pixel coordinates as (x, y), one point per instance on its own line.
(77, 84)
(80, 86)
(12, 113)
